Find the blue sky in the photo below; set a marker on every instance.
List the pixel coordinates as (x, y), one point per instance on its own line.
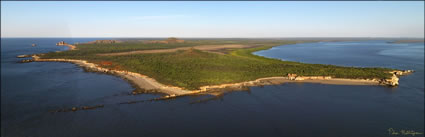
(212, 19)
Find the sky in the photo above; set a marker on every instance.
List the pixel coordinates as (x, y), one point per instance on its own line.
(212, 19)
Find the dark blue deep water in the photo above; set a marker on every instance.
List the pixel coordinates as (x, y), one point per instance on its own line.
(30, 90)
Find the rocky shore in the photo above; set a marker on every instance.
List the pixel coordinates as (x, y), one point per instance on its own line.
(23, 56)
(141, 81)
(151, 85)
(63, 43)
(145, 84)
(393, 81)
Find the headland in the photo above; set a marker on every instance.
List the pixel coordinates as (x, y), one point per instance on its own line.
(241, 51)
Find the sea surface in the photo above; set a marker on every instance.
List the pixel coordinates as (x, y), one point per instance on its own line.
(30, 90)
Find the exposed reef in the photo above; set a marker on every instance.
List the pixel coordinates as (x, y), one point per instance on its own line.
(73, 109)
(23, 56)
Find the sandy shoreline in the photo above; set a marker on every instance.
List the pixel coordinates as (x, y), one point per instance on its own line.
(141, 81)
(150, 84)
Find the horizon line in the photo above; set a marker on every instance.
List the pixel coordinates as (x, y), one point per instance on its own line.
(220, 37)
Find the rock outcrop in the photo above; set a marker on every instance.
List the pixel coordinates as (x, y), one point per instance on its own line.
(292, 76)
(26, 61)
(23, 56)
(296, 77)
(61, 43)
(402, 72)
(393, 81)
(73, 109)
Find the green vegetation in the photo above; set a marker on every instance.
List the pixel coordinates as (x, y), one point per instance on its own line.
(194, 68)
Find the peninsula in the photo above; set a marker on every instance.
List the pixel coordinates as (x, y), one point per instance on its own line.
(63, 43)
(182, 67)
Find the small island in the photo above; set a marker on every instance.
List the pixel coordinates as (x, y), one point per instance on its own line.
(177, 67)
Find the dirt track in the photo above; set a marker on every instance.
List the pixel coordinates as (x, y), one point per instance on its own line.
(208, 48)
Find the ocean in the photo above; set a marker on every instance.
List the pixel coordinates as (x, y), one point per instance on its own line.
(30, 90)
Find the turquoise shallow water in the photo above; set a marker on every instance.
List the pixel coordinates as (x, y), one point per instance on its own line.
(30, 90)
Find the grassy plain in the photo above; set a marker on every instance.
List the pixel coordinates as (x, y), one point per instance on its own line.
(193, 68)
